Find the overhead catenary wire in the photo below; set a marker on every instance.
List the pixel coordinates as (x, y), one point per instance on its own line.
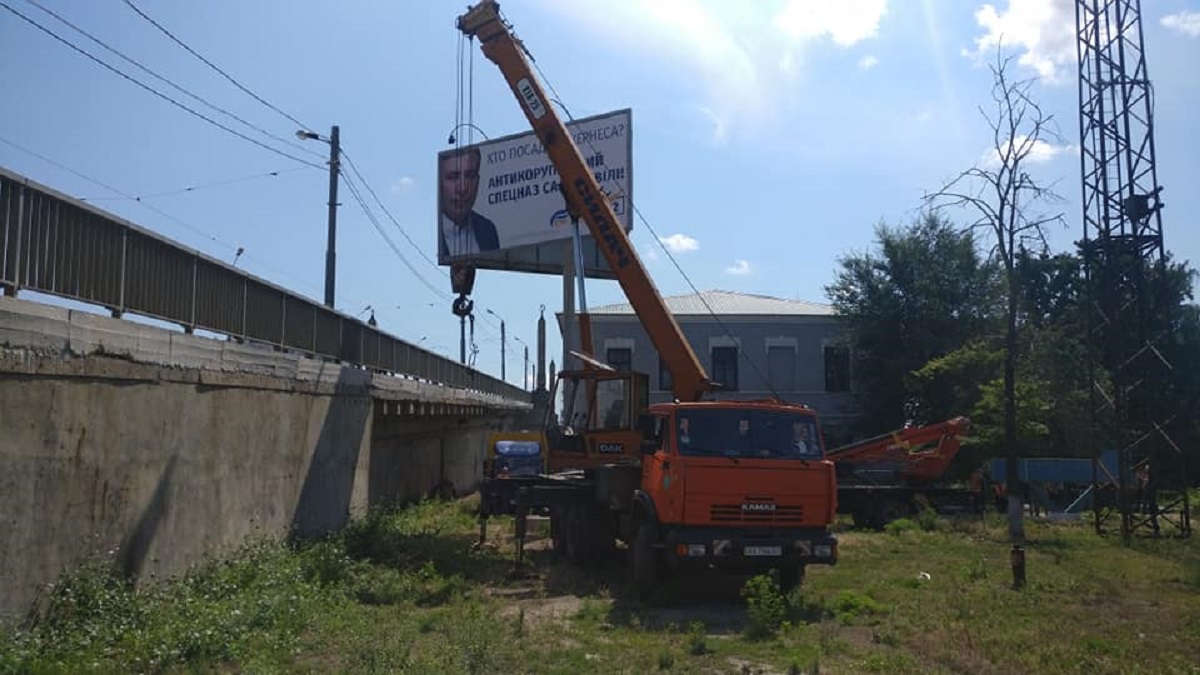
(195, 188)
(154, 91)
(212, 65)
(171, 83)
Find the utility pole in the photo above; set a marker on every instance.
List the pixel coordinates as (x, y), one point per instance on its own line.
(330, 253)
(502, 351)
(525, 371)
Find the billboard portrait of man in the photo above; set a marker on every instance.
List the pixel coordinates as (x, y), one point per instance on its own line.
(462, 231)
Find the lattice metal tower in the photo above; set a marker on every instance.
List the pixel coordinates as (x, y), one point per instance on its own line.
(1129, 317)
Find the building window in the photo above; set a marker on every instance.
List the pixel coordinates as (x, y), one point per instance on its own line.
(620, 358)
(781, 367)
(837, 368)
(725, 367)
(664, 375)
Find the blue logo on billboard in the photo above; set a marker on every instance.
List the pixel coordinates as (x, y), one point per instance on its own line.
(560, 219)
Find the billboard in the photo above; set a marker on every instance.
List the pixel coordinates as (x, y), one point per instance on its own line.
(500, 205)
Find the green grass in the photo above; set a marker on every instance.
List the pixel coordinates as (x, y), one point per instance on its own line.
(405, 591)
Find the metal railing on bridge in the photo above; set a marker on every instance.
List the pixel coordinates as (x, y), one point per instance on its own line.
(52, 243)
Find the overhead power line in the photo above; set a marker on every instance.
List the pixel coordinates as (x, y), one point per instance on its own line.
(170, 83)
(212, 65)
(362, 204)
(383, 208)
(157, 93)
(213, 238)
(415, 246)
(193, 188)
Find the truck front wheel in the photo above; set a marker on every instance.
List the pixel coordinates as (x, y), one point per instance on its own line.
(790, 577)
(646, 564)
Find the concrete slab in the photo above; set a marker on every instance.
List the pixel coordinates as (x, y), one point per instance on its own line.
(48, 330)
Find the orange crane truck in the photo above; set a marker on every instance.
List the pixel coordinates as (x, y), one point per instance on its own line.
(883, 478)
(741, 486)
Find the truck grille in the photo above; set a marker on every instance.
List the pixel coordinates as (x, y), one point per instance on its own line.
(734, 513)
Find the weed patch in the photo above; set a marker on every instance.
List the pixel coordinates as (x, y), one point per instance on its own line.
(404, 590)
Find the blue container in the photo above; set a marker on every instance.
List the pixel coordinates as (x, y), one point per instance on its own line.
(1055, 469)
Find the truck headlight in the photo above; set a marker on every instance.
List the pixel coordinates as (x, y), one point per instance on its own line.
(803, 546)
(697, 550)
(823, 551)
(721, 547)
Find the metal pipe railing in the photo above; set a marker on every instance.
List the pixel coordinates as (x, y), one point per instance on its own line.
(55, 244)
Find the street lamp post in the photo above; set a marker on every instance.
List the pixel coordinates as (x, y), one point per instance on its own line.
(503, 344)
(335, 153)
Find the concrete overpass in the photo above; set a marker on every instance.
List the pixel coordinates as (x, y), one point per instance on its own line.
(167, 446)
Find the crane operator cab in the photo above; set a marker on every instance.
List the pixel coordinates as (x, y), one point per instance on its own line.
(598, 424)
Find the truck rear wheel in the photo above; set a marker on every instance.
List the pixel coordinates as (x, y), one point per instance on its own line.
(575, 539)
(558, 537)
(647, 570)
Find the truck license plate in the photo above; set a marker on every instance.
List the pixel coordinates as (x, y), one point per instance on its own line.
(764, 551)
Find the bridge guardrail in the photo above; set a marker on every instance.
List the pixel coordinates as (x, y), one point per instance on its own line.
(55, 244)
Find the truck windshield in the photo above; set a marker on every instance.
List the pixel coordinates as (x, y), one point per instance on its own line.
(747, 433)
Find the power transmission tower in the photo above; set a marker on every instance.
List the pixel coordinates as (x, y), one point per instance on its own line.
(1140, 473)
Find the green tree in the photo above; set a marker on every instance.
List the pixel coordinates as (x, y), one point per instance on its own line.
(923, 293)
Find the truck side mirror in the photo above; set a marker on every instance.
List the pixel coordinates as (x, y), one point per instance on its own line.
(648, 426)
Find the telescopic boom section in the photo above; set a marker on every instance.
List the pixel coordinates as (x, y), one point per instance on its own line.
(584, 196)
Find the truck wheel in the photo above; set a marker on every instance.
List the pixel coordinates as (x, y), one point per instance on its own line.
(645, 562)
(790, 577)
(889, 510)
(557, 535)
(573, 535)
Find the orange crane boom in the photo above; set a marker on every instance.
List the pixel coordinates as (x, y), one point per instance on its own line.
(915, 453)
(585, 197)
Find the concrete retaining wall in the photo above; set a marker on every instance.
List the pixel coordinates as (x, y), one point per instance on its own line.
(167, 464)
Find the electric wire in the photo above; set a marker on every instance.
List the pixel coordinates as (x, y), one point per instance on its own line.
(378, 201)
(212, 65)
(653, 233)
(366, 209)
(170, 83)
(382, 207)
(194, 188)
(262, 263)
(154, 91)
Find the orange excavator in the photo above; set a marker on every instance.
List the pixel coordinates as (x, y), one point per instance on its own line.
(884, 477)
(742, 486)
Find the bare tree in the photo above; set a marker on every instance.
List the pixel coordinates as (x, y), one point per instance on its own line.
(1004, 197)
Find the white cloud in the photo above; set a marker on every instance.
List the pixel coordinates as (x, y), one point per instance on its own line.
(867, 62)
(847, 22)
(1186, 22)
(741, 56)
(739, 267)
(679, 243)
(1039, 152)
(1044, 31)
(402, 183)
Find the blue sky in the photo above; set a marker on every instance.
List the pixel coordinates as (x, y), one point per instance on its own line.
(769, 137)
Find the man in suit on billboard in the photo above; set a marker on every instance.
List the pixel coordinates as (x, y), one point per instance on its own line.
(462, 231)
